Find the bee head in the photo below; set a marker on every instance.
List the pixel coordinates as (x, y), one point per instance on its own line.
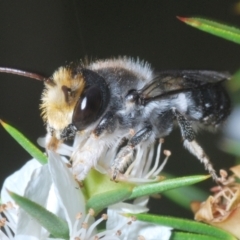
(73, 99)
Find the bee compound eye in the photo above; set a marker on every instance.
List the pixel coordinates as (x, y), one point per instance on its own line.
(87, 108)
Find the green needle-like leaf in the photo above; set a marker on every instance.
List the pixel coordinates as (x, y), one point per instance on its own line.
(55, 225)
(185, 225)
(165, 185)
(100, 201)
(215, 28)
(25, 143)
(190, 236)
(185, 195)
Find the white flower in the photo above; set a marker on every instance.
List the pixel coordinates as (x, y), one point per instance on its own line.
(52, 186)
(140, 172)
(137, 229)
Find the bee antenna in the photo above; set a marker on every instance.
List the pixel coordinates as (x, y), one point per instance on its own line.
(23, 73)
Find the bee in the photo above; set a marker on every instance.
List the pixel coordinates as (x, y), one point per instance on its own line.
(106, 101)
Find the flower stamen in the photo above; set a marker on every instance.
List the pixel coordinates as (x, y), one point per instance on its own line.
(130, 168)
(7, 221)
(86, 232)
(167, 154)
(157, 159)
(116, 232)
(83, 230)
(94, 225)
(138, 172)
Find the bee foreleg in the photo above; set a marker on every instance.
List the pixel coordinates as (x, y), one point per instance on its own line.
(191, 144)
(126, 155)
(107, 123)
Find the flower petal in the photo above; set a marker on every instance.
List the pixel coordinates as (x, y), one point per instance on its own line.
(3, 236)
(123, 207)
(137, 228)
(18, 181)
(67, 189)
(230, 224)
(223, 208)
(37, 190)
(152, 232)
(25, 237)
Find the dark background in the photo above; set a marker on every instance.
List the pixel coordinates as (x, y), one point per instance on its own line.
(40, 36)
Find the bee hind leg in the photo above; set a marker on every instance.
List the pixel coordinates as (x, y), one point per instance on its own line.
(191, 144)
(126, 155)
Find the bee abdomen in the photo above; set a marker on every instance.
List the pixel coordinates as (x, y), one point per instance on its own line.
(213, 104)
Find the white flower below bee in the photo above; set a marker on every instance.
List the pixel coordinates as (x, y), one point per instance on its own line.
(64, 199)
(53, 186)
(134, 229)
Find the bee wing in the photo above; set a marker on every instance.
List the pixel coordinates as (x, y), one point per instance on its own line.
(172, 82)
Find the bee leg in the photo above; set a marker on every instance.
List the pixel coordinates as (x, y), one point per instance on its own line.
(141, 136)
(126, 155)
(123, 160)
(107, 123)
(191, 144)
